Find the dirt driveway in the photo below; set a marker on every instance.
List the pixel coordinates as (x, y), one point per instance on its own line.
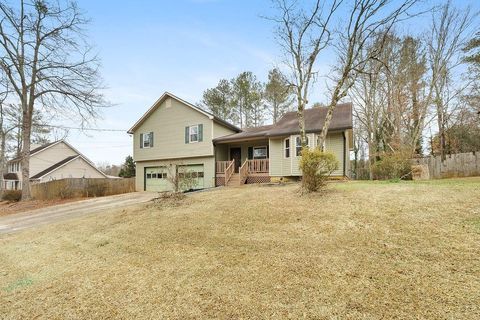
(20, 221)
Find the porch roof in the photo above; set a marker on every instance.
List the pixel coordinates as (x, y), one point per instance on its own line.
(248, 134)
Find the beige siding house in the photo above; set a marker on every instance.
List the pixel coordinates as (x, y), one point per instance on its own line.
(177, 136)
(52, 161)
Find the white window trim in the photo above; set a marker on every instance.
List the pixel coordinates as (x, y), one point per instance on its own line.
(260, 147)
(190, 134)
(143, 141)
(285, 148)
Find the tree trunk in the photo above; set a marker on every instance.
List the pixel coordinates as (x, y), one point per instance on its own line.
(301, 119)
(25, 153)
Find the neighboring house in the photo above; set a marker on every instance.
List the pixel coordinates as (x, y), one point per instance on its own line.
(177, 136)
(52, 161)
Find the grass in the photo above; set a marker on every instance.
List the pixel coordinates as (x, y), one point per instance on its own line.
(361, 250)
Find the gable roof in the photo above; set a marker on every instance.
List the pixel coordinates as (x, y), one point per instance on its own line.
(62, 163)
(51, 144)
(288, 124)
(37, 150)
(194, 107)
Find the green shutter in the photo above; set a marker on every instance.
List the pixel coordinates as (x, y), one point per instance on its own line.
(141, 140)
(151, 139)
(200, 132)
(187, 132)
(250, 153)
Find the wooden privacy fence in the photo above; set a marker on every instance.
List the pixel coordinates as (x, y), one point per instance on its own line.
(455, 165)
(80, 187)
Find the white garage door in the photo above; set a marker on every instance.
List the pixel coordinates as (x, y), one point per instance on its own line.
(196, 174)
(156, 179)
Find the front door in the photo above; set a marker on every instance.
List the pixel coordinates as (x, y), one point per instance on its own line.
(236, 154)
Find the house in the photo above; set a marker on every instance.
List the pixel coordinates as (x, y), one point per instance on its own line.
(51, 161)
(174, 133)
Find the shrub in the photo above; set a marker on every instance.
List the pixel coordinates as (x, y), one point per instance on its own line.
(316, 167)
(11, 195)
(393, 165)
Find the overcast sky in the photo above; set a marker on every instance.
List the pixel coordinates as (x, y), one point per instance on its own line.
(184, 47)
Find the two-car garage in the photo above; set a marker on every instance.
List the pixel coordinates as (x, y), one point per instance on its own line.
(159, 178)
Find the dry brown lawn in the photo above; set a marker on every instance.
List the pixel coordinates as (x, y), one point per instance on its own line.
(11, 207)
(362, 250)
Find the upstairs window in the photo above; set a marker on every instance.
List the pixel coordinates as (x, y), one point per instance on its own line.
(193, 133)
(298, 145)
(287, 148)
(146, 140)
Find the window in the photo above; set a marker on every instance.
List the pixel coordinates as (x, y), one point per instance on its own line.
(15, 167)
(259, 152)
(149, 176)
(318, 143)
(147, 140)
(298, 145)
(287, 148)
(193, 134)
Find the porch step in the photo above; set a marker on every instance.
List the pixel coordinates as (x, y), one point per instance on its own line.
(234, 180)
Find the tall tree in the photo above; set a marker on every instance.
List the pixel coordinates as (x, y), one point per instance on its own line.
(366, 19)
(247, 98)
(278, 94)
(303, 34)
(219, 101)
(448, 36)
(48, 63)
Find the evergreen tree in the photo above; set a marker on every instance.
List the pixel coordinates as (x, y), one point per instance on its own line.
(278, 94)
(128, 168)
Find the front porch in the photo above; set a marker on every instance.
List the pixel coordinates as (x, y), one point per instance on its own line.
(250, 171)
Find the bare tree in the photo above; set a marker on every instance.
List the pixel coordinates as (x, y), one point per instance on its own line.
(303, 34)
(448, 36)
(367, 18)
(49, 64)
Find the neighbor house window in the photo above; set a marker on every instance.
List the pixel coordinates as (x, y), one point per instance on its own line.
(259, 152)
(193, 134)
(287, 148)
(298, 145)
(146, 140)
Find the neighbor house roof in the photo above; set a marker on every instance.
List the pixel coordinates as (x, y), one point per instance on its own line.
(194, 107)
(54, 167)
(62, 163)
(36, 150)
(288, 124)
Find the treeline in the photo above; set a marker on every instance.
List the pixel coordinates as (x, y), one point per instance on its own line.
(421, 95)
(247, 102)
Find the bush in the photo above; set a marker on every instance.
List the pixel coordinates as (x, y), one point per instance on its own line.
(12, 195)
(393, 165)
(316, 167)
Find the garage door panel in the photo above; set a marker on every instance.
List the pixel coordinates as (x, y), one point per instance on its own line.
(156, 179)
(197, 172)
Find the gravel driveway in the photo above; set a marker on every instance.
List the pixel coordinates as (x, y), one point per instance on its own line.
(29, 219)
